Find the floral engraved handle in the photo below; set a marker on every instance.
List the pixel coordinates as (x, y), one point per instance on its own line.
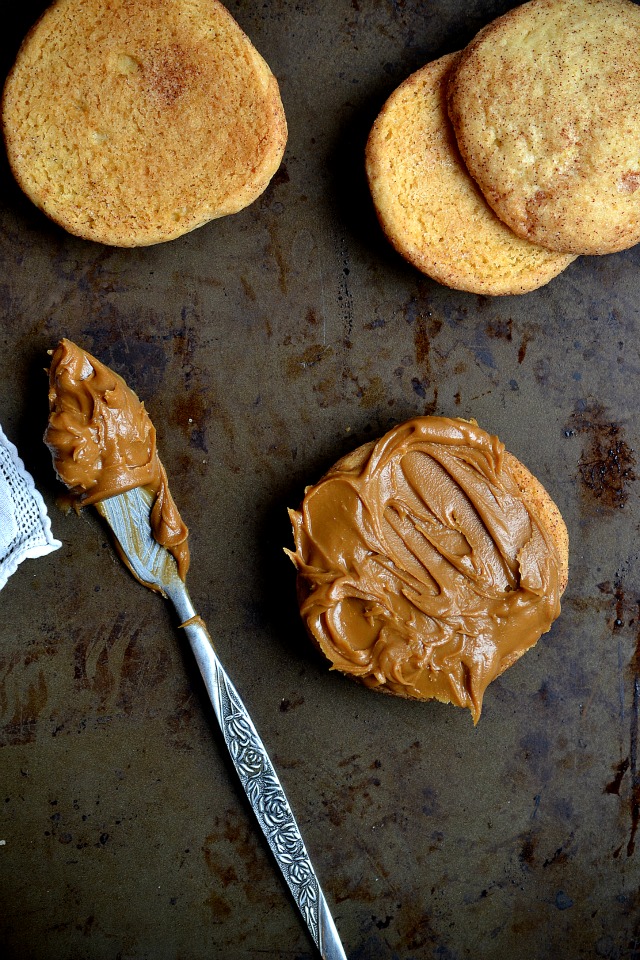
(269, 802)
(262, 787)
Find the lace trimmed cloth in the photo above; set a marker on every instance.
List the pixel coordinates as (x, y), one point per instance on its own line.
(25, 528)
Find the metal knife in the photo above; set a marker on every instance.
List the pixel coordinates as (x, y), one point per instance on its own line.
(128, 516)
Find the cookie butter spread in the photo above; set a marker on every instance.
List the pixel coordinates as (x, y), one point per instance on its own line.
(422, 569)
(103, 442)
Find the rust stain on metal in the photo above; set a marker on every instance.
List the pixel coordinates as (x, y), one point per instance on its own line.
(275, 247)
(22, 726)
(373, 394)
(327, 393)
(312, 317)
(627, 613)
(522, 349)
(249, 292)
(528, 850)
(606, 464)
(356, 791)
(116, 667)
(634, 799)
(427, 326)
(499, 329)
(233, 856)
(616, 591)
(192, 411)
(620, 769)
(559, 857)
(310, 357)
(180, 723)
(275, 250)
(286, 705)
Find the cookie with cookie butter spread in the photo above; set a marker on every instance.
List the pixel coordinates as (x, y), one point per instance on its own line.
(429, 561)
(103, 442)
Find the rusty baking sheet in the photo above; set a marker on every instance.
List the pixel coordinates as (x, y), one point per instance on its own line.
(265, 346)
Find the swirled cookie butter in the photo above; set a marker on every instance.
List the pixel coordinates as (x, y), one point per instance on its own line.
(103, 443)
(429, 561)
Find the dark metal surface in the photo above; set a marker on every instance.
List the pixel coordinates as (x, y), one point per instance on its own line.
(265, 346)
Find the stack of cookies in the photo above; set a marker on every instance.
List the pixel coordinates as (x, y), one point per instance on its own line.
(492, 169)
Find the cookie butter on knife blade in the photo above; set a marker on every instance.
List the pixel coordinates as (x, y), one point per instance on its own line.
(103, 443)
(103, 447)
(429, 561)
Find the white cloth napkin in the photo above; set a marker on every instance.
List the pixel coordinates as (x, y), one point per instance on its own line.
(25, 528)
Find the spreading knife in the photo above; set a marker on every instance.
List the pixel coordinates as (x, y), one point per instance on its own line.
(128, 515)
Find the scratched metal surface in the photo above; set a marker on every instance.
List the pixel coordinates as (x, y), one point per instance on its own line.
(266, 345)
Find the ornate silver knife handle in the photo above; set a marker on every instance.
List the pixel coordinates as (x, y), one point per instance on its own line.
(128, 515)
(265, 793)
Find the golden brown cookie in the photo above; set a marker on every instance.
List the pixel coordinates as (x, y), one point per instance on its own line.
(545, 103)
(131, 122)
(429, 206)
(429, 561)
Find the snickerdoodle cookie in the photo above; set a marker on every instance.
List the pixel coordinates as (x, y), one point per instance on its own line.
(131, 122)
(545, 103)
